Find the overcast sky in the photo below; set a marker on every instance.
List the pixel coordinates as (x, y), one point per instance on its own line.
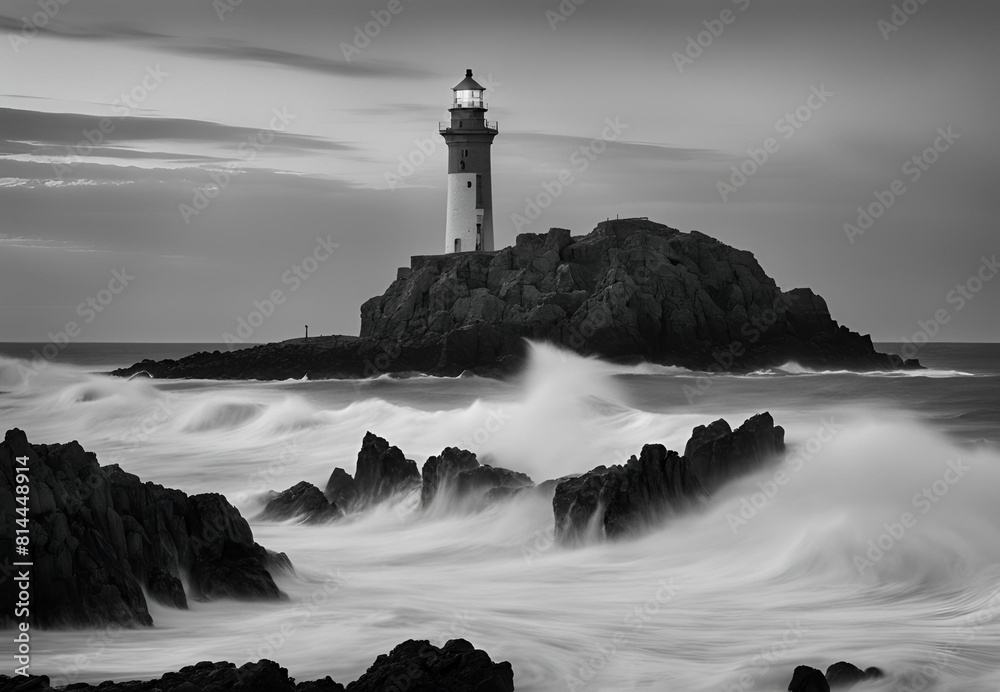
(184, 89)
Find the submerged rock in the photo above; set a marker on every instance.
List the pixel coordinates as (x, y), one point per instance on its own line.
(632, 289)
(99, 536)
(620, 499)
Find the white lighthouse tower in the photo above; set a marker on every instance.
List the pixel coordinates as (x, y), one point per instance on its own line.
(470, 189)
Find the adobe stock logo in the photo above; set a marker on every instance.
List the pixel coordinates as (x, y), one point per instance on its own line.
(913, 169)
(923, 502)
(294, 277)
(787, 126)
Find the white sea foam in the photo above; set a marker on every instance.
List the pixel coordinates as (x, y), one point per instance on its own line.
(721, 592)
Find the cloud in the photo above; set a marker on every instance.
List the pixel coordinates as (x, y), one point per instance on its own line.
(68, 129)
(39, 151)
(44, 244)
(220, 48)
(125, 208)
(36, 173)
(620, 150)
(407, 111)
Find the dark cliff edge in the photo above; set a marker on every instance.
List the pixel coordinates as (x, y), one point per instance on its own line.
(102, 541)
(632, 290)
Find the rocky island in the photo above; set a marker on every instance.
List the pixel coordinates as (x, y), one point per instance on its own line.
(631, 290)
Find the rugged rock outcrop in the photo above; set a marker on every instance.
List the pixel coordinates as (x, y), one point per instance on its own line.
(807, 679)
(341, 489)
(381, 472)
(418, 666)
(415, 666)
(631, 289)
(101, 535)
(839, 676)
(303, 500)
(620, 499)
(457, 473)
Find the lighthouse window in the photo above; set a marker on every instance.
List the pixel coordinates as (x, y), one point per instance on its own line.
(461, 165)
(469, 184)
(469, 98)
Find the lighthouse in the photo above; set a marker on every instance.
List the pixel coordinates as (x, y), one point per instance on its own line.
(469, 224)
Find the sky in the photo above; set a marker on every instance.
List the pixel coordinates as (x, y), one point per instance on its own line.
(168, 167)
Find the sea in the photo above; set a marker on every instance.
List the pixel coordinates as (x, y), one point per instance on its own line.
(875, 539)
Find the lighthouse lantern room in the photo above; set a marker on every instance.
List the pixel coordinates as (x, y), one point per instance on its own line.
(469, 223)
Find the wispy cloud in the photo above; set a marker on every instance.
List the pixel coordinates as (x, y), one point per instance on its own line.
(67, 129)
(534, 141)
(221, 48)
(44, 244)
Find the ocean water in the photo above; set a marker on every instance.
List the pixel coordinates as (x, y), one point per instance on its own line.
(874, 540)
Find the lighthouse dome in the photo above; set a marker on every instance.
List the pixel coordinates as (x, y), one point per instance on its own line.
(468, 93)
(468, 84)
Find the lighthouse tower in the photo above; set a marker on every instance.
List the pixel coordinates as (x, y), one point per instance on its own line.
(470, 190)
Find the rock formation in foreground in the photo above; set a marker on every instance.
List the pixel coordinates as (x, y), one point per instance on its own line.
(414, 666)
(630, 290)
(99, 536)
(621, 499)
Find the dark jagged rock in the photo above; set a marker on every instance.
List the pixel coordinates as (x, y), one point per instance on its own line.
(843, 675)
(806, 679)
(341, 489)
(419, 666)
(487, 478)
(458, 474)
(621, 499)
(99, 535)
(302, 500)
(632, 289)
(382, 471)
(716, 454)
(414, 666)
(439, 471)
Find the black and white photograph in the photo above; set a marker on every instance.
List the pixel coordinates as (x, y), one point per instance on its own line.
(480, 346)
